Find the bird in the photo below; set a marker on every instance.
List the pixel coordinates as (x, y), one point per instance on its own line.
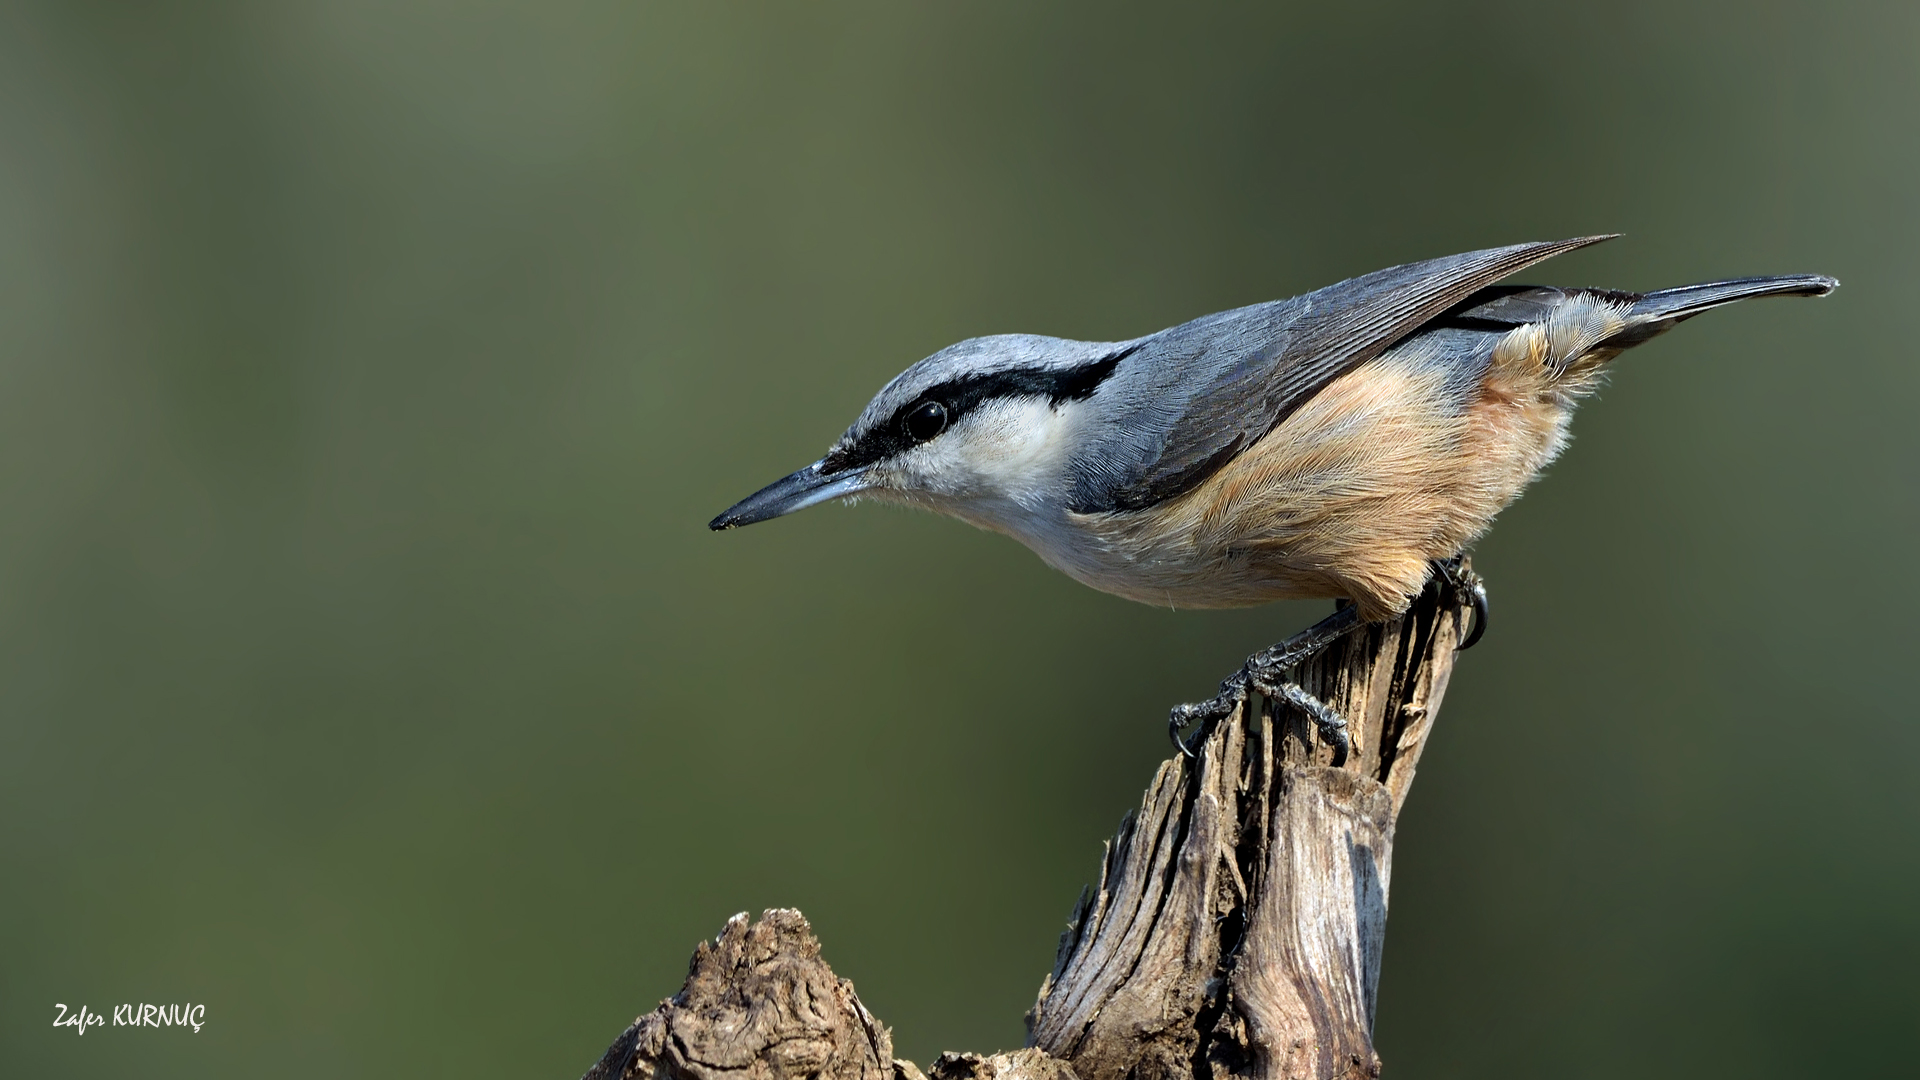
(1350, 443)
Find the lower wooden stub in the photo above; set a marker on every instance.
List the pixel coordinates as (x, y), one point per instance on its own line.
(1236, 931)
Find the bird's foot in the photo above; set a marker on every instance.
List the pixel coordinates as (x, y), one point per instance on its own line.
(1267, 672)
(1458, 578)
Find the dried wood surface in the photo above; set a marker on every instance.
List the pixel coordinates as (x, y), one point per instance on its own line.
(1236, 930)
(759, 1004)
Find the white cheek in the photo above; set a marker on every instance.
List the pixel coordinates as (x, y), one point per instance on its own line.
(1006, 450)
(1021, 450)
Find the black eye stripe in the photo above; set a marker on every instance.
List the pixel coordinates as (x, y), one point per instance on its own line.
(1072, 384)
(961, 395)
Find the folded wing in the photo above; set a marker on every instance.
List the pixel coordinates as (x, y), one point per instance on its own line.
(1196, 395)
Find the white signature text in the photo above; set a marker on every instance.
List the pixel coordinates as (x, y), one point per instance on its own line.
(141, 1015)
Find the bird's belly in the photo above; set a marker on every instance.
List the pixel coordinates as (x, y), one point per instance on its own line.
(1385, 470)
(1177, 575)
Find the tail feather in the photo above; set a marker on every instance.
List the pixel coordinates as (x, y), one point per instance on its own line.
(1672, 305)
(1655, 313)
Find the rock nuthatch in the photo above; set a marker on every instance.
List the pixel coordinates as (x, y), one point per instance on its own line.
(1344, 444)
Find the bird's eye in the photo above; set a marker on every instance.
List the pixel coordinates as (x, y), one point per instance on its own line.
(929, 418)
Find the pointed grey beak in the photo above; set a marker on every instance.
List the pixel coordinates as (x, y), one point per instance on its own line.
(797, 492)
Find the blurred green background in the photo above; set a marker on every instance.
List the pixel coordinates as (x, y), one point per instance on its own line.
(368, 373)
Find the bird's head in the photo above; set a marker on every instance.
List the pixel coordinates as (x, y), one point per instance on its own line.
(982, 430)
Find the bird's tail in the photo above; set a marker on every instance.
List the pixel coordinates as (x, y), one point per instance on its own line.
(1672, 305)
(1652, 314)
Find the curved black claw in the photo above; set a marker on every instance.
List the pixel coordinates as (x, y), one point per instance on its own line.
(1464, 584)
(1177, 722)
(1476, 592)
(1233, 692)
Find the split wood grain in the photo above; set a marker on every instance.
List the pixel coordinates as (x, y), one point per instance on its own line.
(1236, 930)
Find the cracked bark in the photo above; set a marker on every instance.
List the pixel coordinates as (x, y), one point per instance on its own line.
(1236, 930)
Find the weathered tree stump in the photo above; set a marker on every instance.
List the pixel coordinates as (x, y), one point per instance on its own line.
(1236, 930)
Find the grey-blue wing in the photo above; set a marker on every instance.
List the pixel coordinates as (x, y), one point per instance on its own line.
(1185, 401)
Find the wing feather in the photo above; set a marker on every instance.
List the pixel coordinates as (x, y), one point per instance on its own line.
(1195, 395)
